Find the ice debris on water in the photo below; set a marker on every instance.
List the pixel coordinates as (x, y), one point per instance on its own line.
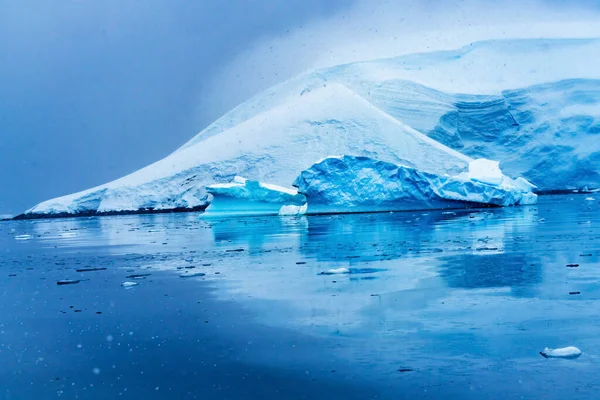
(129, 284)
(137, 276)
(570, 352)
(68, 281)
(192, 275)
(335, 271)
(90, 269)
(23, 237)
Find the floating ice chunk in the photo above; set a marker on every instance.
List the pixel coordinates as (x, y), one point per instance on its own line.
(127, 285)
(192, 275)
(292, 210)
(68, 234)
(335, 271)
(590, 199)
(566, 352)
(247, 197)
(23, 237)
(68, 282)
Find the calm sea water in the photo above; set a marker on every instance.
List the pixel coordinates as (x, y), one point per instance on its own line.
(438, 305)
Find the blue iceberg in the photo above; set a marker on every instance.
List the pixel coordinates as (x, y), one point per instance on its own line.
(243, 197)
(363, 184)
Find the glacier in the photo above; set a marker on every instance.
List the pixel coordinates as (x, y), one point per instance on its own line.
(243, 197)
(362, 184)
(531, 104)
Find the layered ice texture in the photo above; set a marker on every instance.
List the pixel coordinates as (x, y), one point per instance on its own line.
(533, 105)
(243, 197)
(360, 184)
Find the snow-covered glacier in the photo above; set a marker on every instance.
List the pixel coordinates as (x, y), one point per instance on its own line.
(358, 184)
(533, 105)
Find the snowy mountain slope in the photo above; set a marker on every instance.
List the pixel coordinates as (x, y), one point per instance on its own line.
(272, 147)
(481, 68)
(534, 105)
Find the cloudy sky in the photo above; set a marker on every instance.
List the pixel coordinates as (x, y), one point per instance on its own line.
(93, 90)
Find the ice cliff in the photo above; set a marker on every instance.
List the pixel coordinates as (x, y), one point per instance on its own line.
(533, 105)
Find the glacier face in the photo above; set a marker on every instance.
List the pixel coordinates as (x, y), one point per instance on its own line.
(360, 184)
(534, 105)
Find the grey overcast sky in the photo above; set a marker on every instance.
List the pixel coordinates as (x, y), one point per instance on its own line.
(93, 90)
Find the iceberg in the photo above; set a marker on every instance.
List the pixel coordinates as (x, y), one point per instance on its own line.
(532, 104)
(363, 184)
(243, 197)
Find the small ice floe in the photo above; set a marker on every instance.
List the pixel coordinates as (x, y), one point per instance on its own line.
(128, 285)
(68, 234)
(570, 352)
(68, 281)
(590, 199)
(89, 269)
(192, 275)
(335, 271)
(23, 237)
(137, 276)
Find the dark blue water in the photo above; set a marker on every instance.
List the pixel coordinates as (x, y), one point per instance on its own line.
(437, 305)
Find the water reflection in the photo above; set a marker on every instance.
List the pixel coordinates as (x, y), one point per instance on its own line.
(439, 292)
(491, 271)
(405, 254)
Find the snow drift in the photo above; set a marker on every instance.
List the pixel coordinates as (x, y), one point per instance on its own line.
(533, 105)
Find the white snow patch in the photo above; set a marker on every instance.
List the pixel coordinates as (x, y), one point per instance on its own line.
(486, 171)
(129, 284)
